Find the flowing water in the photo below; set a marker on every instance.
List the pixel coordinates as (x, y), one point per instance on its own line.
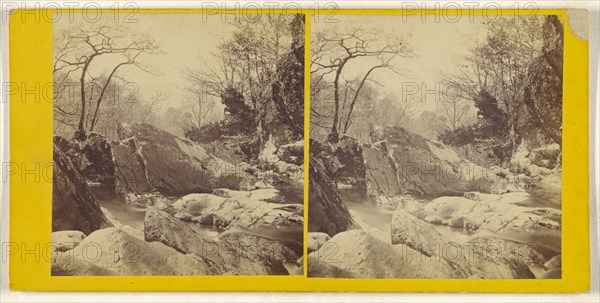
(126, 214)
(548, 241)
(357, 200)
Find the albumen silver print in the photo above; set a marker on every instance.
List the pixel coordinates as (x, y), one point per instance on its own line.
(436, 147)
(178, 145)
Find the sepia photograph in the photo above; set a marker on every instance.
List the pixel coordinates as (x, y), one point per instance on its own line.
(178, 145)
(435, 147)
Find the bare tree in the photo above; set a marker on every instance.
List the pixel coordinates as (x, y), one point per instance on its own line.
(332, 52)
(79, 47)
(198, 108)
(454, 112)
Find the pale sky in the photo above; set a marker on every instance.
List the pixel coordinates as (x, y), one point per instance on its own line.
(437, 47)
(190, 40)
(185, 41)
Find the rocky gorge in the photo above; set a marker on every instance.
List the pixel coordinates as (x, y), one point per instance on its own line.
(407, 207)
(152, 203)
(433, 195)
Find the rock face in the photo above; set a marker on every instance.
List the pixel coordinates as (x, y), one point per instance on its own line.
(130, 169)
(91, 157)
(173, 165)
(543, 94)
(401, 163)
(73, 205)
(285, 121)
(148, 159)
(425, 168)
(234, 254)
(327, 212)
(493, 257)
(381, 172)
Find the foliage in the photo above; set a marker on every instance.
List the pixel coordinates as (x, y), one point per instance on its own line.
(491, 124)
(239, 117)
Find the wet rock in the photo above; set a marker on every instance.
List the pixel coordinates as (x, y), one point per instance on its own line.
(174, 165)
(147, 199)
(266, 194)
(483, 256)
(552, 274)
(322, 269)
(66, 239)
(554, 263)
(97, 150)
(416, 234)
(73, 205)
(239, 254)
(112, 251)
(262, 256)
(494, 212)
(493, 257)
(503, 186)
(546, 156)
(357, 253)
(316, 240)
(208, 209)
(291, 171)
(292, 152)
(327, 212)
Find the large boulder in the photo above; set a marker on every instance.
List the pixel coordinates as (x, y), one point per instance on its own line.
(482, 256)
(494, 257)
(235, 253)
(416, 234)
(316, 240)
(292, 152)
(220, 212)
(327, 212)
(477, 211)
(546, 156)
(425, 168)
(173, 165)
(112, 252)
(73, 205)
(66, 239)
(359, 254)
